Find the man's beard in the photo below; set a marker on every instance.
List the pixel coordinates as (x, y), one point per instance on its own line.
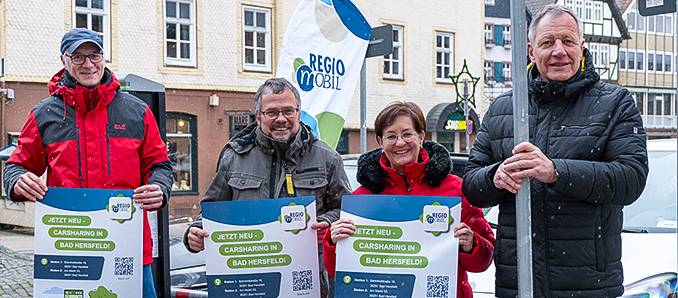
(283, 139)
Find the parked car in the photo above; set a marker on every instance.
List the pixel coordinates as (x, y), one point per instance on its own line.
(648, 237)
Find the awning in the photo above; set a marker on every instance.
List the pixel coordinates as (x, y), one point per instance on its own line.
(446, 117)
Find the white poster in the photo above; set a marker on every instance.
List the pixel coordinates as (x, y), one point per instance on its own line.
(322, 54)
(404, 246)
(88, 244)
(261, 248)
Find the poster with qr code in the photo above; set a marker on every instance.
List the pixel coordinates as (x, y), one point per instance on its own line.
(88, 243)
(403, 246)
(261, 248)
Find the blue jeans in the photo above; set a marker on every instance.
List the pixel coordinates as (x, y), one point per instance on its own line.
(149, 286)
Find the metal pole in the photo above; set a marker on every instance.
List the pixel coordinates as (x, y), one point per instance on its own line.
(363, 109)
(466, 95)
(521, 133)
(675, 101)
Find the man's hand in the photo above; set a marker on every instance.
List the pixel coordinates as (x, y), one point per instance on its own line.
(30, 187)
(196, 238)
(150, 196)
(465, 235)
(321, 227)
(527, 162)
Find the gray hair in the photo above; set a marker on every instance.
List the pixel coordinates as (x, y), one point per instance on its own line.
(276, 86)
(553, 9)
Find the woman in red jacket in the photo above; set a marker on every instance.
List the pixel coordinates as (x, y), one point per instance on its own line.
(407, 165)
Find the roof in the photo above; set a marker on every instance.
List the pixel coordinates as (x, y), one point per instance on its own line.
(500, 9)
(623, 5)
(534, 6)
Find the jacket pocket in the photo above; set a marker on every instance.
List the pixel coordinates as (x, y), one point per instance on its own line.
(595, 129)
(246, 187)
(312, 184)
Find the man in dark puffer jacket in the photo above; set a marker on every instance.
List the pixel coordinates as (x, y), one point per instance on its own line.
(586, 160)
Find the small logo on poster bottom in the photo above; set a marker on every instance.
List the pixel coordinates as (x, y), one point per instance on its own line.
(347, 279)
(217, 282)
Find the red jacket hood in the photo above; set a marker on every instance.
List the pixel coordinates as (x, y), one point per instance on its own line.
(74, 94)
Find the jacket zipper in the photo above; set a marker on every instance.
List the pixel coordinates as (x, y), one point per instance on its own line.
(77, 132)
(108, 149)
(562, 127)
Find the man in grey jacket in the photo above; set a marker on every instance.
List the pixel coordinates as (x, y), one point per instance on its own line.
(255, 163)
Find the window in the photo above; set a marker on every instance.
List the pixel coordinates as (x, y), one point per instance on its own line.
(631, 20)
(639, 60)
(593, 47)
(182, 151)
(393, 63)
(488, 71)
(507, 35)
(569, 4)
(659, 62)
(579, 8)
(588, 10)
(650, 23)
(489, 34)
(507, 71)
(598, 11)
(640, 22)
(604, 55)
(93, 15)
(622, 60)
(650, 61)
(660, 23)
(639, 100)
(444, 56)
(667, 63)
(256, 39)
(632, 60)
(667, 104)
(180, 36)
(668, 24)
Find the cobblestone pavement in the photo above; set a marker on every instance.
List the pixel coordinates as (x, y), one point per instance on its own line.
(16, 274)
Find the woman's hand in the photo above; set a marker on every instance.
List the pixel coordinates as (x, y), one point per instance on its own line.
(341, 229)
(465, 235)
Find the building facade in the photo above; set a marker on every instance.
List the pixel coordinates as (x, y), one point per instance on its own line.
(212, 55)
(647, 68)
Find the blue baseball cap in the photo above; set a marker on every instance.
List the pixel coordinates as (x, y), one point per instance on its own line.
(76, 37)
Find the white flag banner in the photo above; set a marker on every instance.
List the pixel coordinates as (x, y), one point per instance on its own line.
(322, 54)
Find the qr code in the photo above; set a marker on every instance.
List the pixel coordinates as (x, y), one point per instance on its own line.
(302, 280)
(437, 286)
(124, 265)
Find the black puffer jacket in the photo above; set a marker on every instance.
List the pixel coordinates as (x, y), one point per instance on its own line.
(594, 134)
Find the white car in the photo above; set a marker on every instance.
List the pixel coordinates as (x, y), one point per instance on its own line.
(649, 236)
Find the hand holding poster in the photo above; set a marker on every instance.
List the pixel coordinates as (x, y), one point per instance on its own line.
(88, 243)
(261, 248)
(402, 247)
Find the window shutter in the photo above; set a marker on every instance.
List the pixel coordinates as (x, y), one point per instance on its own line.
(498, 71)
(499, 35)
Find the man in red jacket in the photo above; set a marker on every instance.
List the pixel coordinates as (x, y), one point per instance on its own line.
(91, 135)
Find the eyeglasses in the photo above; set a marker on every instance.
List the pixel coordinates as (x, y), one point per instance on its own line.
(80, 59)
(288, 113)
(392, 138)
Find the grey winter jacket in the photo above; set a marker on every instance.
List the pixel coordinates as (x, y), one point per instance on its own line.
(253, 166)
(593, 133)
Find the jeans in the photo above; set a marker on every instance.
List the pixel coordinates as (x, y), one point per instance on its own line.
(149, 286)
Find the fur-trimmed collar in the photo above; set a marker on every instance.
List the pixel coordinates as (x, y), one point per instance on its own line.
(371, 174)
